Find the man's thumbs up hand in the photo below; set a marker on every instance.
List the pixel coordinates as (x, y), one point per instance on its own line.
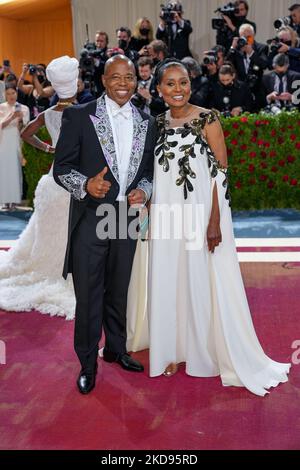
(97, 186)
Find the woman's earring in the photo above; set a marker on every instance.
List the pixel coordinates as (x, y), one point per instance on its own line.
(160, 95)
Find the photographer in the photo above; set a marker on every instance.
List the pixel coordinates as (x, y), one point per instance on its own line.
(124, 39)
(99, 57)
(234, 15)
(230, 96)
(174, 30)
(158, 52)
(249, 59)
(285, 42)
(142, 97)
(295, 17)
(278, 84)
(199, 83)
(39, 91)
(142, 36)
(211, 63)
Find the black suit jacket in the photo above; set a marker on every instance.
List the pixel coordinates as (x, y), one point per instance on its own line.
(86, 146)
(270, 78)
(179, 44)
(239, 95)
(258, 61)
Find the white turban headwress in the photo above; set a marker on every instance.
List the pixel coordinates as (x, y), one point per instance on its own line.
(63, 74)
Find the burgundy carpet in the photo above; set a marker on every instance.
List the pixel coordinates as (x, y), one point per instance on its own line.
(40, 407)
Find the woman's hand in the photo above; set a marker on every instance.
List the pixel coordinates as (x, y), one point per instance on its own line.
(25, 69)
(214, 235)
(17, 115)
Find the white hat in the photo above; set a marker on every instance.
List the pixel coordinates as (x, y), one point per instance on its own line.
(63, 75)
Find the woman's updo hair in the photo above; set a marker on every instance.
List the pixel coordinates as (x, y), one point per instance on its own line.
(165, 65)
(227, 69)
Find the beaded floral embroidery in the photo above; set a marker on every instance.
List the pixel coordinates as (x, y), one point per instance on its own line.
(165, 146)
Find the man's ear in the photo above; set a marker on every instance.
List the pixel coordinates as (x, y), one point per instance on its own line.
(103, 80)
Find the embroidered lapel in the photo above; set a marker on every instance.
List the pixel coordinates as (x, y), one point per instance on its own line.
(104, 133)
(140, 128)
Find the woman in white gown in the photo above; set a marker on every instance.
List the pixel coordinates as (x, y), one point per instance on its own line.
(197, 306)
(31, 271)
(13, 116)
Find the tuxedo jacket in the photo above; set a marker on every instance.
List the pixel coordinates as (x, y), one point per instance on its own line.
(270, 78)
(258, 61)
(180, 43)
(86, 146)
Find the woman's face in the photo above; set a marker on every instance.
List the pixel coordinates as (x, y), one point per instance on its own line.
(11, 96)
(145, 25)
(175, 87)
(226, 79)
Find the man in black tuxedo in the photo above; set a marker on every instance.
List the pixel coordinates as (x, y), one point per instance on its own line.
(176, 33)
(249, 61)
(280, 84)
(104, 155)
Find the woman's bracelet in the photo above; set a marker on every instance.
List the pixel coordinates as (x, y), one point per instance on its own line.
(47, 149)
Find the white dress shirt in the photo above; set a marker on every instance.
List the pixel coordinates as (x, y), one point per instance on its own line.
(247, 60)
(276, 88)
(122, 127)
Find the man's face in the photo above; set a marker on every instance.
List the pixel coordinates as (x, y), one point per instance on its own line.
(221, 59)
(123, 36)
(80, 85)
(212, 68)
(119, 80)
(296, 16)
(144, 72)
(281, 70)
(285, 37)
(247, 33)
(242, 10)
(100, 41)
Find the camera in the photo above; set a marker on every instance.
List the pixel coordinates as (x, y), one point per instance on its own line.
(275, 44)
(228, 10)
(242, 42)
(32, 69)
(168, 12)
(138, 100)
(285, 21)
(210, 58)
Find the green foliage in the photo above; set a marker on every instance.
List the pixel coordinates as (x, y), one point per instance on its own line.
(264, 160)
(38, 163)
(263, 157)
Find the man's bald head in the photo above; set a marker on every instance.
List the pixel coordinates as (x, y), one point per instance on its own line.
(119, 58)
(119, 79)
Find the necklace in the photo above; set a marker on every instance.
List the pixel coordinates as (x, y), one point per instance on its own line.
(182, 117)
(65, 103)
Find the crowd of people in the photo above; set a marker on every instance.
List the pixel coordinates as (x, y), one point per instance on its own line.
(237, 75)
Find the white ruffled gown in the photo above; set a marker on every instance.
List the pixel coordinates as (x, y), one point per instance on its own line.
(31, 271)
(197, 307)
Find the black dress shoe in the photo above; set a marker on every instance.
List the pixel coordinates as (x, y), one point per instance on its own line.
(125, 361)
(86, 381)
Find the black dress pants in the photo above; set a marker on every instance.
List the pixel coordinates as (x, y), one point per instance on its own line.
(101, 276)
